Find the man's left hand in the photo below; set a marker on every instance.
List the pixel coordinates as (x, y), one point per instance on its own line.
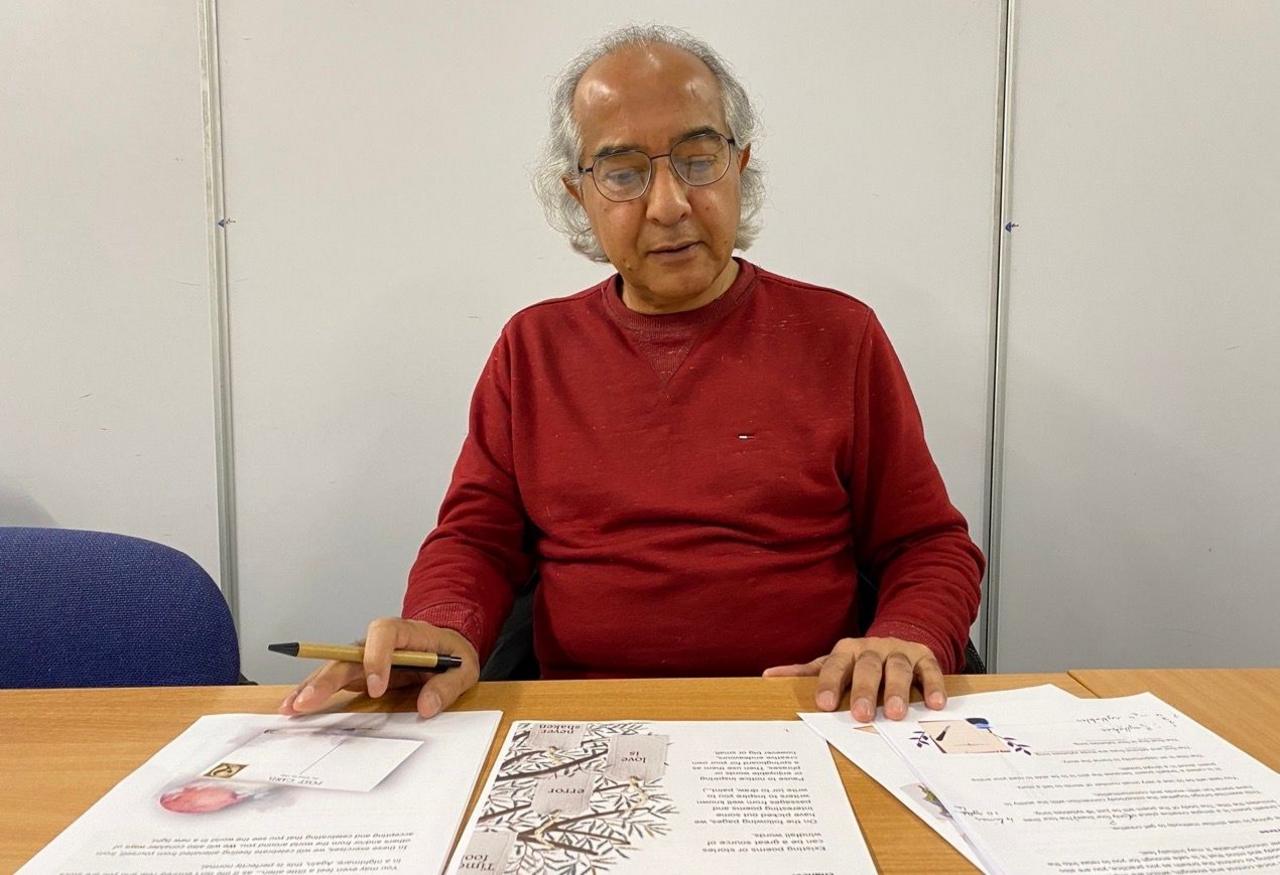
(865, 663)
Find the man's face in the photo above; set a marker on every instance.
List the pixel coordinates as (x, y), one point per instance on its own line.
(649, 98)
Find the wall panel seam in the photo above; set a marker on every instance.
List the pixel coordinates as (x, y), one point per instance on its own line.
(218, 223)
(997, 333)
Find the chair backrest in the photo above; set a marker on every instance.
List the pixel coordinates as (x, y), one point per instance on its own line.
(513, 657)
(91, 609)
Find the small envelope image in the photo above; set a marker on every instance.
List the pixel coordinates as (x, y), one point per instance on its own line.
(964, 736)
(320, 758)
(563, 794)
(488, 852)
(643, 757)
(561, 736)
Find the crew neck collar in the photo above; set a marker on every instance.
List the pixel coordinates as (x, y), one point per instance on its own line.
(661, 323)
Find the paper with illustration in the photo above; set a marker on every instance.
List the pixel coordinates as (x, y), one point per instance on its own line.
(862, 745)
(327, 759)
(373, 793)
(1094, 785)
(644, 797)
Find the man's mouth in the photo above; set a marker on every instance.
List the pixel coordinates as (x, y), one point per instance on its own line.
(673, 248)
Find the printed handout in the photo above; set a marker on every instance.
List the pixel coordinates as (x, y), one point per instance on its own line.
(645, 797)
(1126, 785)
(862, 744)
(368, 793)
(326, 759)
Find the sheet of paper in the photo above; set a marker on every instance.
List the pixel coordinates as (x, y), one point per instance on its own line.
(1094, 786)
(304, 757)
(645, 797)
(864, 747)
(368, 793)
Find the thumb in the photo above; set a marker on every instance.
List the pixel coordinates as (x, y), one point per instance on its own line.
(443, 689)
(798, 670)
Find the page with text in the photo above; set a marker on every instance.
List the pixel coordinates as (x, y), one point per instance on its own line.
(249, 793)
(862, 744)
(644, 797)
(1127, 785)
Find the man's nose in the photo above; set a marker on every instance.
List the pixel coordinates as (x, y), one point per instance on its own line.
(668, 194)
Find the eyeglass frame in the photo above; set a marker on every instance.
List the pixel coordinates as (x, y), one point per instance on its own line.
(733, 144)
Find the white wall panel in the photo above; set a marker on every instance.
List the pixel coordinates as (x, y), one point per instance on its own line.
(377, 162)
(1141, 501)
(106, 405)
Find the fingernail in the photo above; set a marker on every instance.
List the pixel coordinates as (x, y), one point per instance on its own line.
(373, 683)
(287, 705)
(937, 700)
(430, 704)
(305, 695)
(864, 710)
(827, 700)
(895, 705)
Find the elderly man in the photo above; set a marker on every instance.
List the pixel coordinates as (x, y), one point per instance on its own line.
(696, 456)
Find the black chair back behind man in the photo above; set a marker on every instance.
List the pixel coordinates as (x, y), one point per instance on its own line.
(513, 657)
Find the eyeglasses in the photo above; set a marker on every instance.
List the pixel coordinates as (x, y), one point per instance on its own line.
(698, 160)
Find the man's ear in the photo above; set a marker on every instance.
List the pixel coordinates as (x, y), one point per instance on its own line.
(574, 191)
(744, 155)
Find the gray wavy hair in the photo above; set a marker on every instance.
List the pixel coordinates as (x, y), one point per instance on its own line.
(559, 158)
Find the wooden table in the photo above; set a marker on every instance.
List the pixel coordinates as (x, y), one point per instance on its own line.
(60, 750)
(1240, 704)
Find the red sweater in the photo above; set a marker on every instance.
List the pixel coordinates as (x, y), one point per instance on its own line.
(697, 491)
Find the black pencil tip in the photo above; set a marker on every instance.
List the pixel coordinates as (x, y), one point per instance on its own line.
(289, 649)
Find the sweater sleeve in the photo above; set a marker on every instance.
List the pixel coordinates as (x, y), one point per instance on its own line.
(907, 534)
(470, 565)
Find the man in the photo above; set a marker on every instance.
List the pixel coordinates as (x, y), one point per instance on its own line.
(696, 456)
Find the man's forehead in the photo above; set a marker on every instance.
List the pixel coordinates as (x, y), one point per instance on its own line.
(649, 92)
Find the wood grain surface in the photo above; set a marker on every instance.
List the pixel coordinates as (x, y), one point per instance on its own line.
(61, 750)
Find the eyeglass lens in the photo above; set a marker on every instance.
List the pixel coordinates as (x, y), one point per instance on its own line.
(699, 160)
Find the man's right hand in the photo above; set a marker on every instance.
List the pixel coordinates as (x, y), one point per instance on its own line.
(376, 676)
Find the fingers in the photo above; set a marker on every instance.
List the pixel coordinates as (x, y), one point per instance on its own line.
(929, 674)
(898, 674)
(393, 633)
(799, 670)
(867, 672)
(382, 637)
(314, 692)
(862, 665)
(833, 676)
(904, 662)
(441, 690)
(375, 674)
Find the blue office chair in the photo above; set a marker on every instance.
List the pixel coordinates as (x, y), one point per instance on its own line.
(91, 609)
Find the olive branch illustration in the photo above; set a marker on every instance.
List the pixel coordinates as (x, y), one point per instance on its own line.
(1015, 745)
(619, 813)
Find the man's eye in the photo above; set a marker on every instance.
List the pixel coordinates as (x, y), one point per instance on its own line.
(701, 170)
(622, 177)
